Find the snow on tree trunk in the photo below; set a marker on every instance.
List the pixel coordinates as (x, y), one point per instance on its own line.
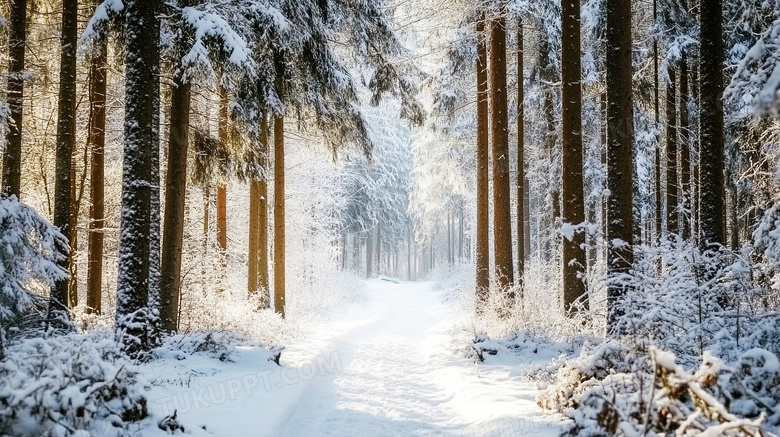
(671, 154)
(153, 301)
(66, 140)
(141, 90)
(521, 201)
(12, 155)
(620, 133)
(685, 150)
(712, 212)
(574, 293)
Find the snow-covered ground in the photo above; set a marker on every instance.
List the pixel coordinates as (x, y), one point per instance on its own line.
(386, 367)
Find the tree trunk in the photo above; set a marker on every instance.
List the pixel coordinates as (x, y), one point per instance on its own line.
(262, 223)
(685, 150)
(12, 156)
(671, 155)
(460, 234)
(369, 254)
(206, 213)
(712, 214)
(97, 141)
(572, 188)
(733, 220)
(378, 249)
(408, 254)
(355, 252)
(175, 206)
(343, 251)
(77, 195)
(659, 219)
(416, 260)
(550, 146)
(279, 236)
(620, 133)
(142, 88)
(502, 215)
(66, 138)
(73, 278)
(449, 238)
(527, 220)
(221, 188)
(254, 234)
(520, 158)
(153, 301)
(604, 147)
(483, 169)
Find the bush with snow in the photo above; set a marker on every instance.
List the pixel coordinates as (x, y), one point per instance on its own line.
(653, 395)
(59, 385)
(77, 384)
(30, 248)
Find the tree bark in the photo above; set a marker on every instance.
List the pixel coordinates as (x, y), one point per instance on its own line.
(554, 195)
(175, 206)
(659, 219)
(671, 155)
(520, 158)
(685, 150)
(66, 140)
(620, 133)
(712, 214)
(12, 156)
(733, 220)
(502, 216)
(483, 169)
(262, 222)
(279, 236)
(97, 141)
(572, 188)
(254, 234)
(142, 88)
(221, 188)
(527, 219)
(153, 300)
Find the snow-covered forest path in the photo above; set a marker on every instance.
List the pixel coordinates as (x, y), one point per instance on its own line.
(388, 368)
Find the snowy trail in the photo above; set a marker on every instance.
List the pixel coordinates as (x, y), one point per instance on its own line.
(398, 376)
(386, 367)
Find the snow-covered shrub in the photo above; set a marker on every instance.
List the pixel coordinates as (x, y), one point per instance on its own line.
(216, 345)
(685, 300)
(59, 385)
(30, 248)
(663, 399)
(606, 363)
(81, 385)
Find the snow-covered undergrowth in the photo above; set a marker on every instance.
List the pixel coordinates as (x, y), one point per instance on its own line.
(77, 384)
(614, 390)
(530, 335)
(697, 352)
